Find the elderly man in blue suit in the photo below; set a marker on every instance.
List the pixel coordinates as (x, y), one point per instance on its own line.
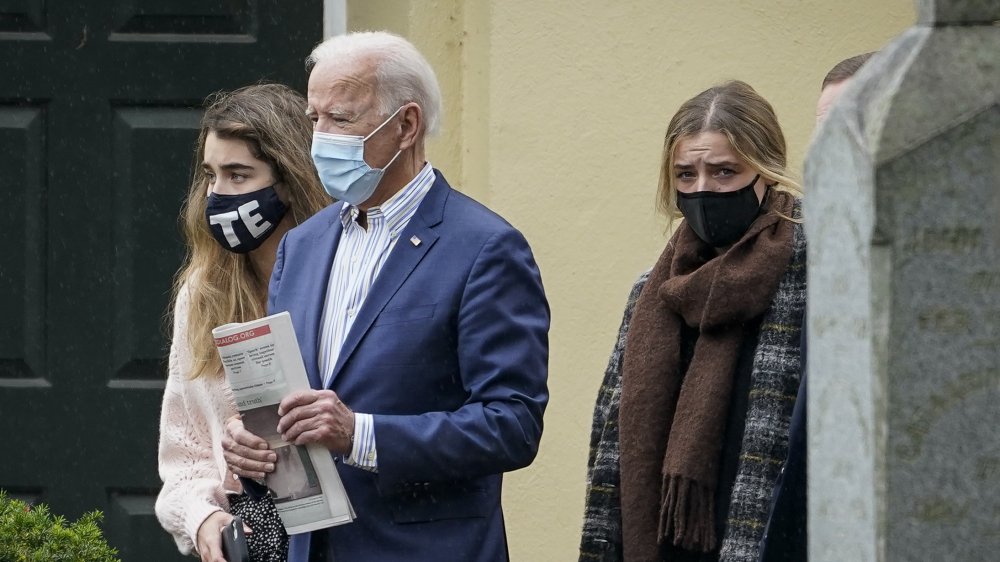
(421, 318)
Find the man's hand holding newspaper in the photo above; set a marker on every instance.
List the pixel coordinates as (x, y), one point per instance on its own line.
(317, 416)
(291, 453)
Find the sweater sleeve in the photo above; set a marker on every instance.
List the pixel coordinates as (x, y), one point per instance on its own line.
(192, 486)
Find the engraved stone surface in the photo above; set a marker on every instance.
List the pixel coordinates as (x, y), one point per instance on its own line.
(953, 12)
(903, 217)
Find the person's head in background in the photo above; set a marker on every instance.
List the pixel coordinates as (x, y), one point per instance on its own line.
(835, 82)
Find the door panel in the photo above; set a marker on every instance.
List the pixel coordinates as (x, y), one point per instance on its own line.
(99, 110)
(22, 268)
(146, 204)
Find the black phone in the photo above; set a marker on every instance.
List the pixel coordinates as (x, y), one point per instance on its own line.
(234, 542)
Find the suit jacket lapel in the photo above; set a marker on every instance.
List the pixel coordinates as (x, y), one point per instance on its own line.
(403, 259)
(315, 285)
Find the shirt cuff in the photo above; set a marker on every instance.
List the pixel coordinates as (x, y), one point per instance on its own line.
(363, 454)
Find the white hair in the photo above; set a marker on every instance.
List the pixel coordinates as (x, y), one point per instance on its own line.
(402, 74)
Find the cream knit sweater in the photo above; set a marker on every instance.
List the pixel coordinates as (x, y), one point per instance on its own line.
(192, 422)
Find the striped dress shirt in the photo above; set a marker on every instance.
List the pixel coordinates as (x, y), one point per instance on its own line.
(360, 255)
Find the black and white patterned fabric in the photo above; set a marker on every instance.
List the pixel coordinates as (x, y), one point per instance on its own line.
(774, 387)
(602, 522)
(269, 541)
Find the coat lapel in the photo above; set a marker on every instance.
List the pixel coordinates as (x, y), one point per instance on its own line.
(314, 292)
(398, 266)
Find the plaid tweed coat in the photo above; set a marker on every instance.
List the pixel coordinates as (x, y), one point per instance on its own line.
(774, 384)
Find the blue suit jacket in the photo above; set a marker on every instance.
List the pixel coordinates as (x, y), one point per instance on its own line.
(449, 353)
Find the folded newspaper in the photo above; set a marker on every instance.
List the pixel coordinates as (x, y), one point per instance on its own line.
(263, 365)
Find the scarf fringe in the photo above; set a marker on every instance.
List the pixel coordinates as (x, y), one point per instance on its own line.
(687, 517)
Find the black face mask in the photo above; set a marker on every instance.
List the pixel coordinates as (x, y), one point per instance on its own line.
(241, 223)
(720, 219)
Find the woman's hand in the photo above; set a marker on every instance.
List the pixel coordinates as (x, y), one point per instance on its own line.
(246, 454)
(210, 537)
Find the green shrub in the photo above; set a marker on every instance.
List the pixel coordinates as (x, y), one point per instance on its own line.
(32, 534)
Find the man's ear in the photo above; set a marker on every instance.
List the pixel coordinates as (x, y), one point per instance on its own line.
(412, 123)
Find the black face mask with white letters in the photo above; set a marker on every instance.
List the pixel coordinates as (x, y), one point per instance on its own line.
(241, 223)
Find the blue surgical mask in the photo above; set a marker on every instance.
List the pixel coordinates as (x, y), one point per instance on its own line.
(340, 161)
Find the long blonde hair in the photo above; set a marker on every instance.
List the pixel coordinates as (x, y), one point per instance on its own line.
(736, 110)
(222, 285)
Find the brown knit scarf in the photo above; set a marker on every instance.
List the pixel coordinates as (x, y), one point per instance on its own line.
(672, 423)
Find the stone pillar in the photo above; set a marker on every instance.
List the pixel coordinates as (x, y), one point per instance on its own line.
(903, 217)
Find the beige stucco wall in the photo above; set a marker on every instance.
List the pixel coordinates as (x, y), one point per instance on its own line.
(554, 117)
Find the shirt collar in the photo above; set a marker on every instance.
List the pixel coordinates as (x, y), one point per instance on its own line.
(398, 209)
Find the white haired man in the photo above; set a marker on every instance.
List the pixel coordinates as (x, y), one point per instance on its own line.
(422, 321)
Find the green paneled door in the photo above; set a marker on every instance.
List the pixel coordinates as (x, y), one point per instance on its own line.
(99, 106)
